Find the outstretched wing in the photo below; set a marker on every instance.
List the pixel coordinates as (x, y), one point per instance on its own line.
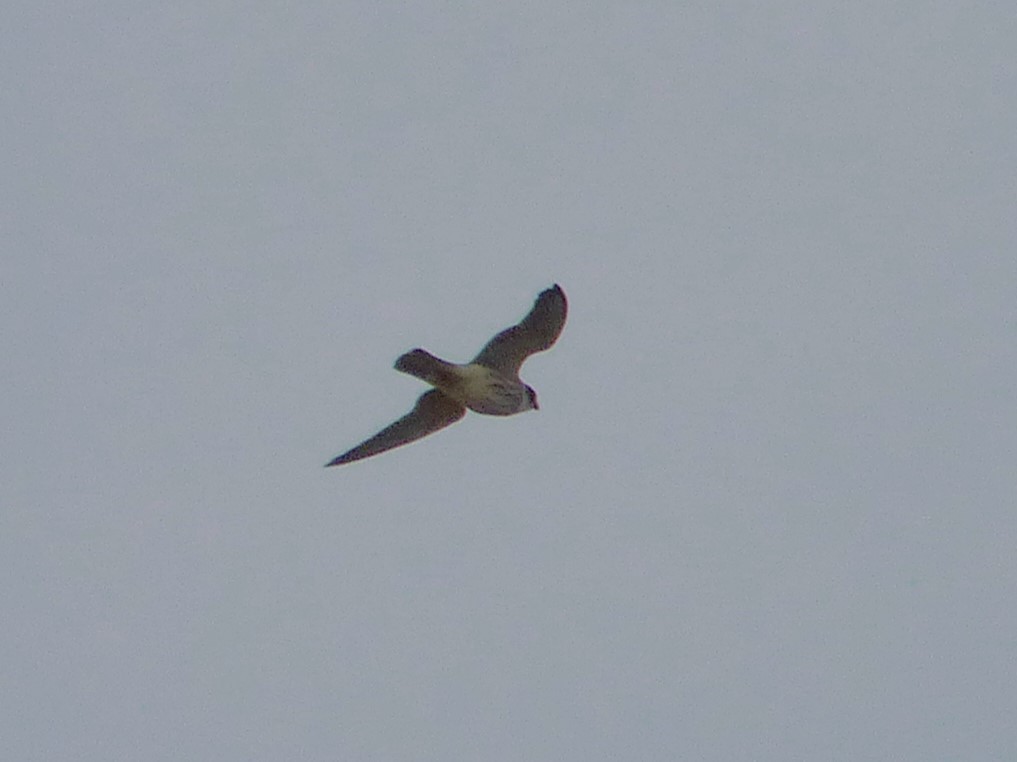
(432, 412)
(534, 333)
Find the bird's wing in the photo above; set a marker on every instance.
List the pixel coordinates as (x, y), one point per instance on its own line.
(432, 412)
(534, 333)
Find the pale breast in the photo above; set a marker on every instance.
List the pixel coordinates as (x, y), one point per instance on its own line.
(486, 391)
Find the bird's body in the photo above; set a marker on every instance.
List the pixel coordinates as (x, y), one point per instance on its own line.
(481, 389)
(489, 384)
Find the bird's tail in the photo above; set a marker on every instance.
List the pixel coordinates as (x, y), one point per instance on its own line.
(426, 367)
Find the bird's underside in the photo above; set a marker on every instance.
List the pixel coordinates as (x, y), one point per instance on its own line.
(489, 384)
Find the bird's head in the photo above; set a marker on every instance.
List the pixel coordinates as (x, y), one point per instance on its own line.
(531, 399)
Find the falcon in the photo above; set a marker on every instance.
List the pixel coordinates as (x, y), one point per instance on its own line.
(489, 384)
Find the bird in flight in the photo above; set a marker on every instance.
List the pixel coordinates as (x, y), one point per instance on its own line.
(489, 384)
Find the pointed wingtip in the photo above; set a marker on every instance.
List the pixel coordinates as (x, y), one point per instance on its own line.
(560, 292)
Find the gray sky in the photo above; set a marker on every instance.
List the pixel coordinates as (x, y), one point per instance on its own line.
(766, 511)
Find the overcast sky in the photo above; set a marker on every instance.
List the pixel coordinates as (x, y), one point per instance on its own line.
(766, 510)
